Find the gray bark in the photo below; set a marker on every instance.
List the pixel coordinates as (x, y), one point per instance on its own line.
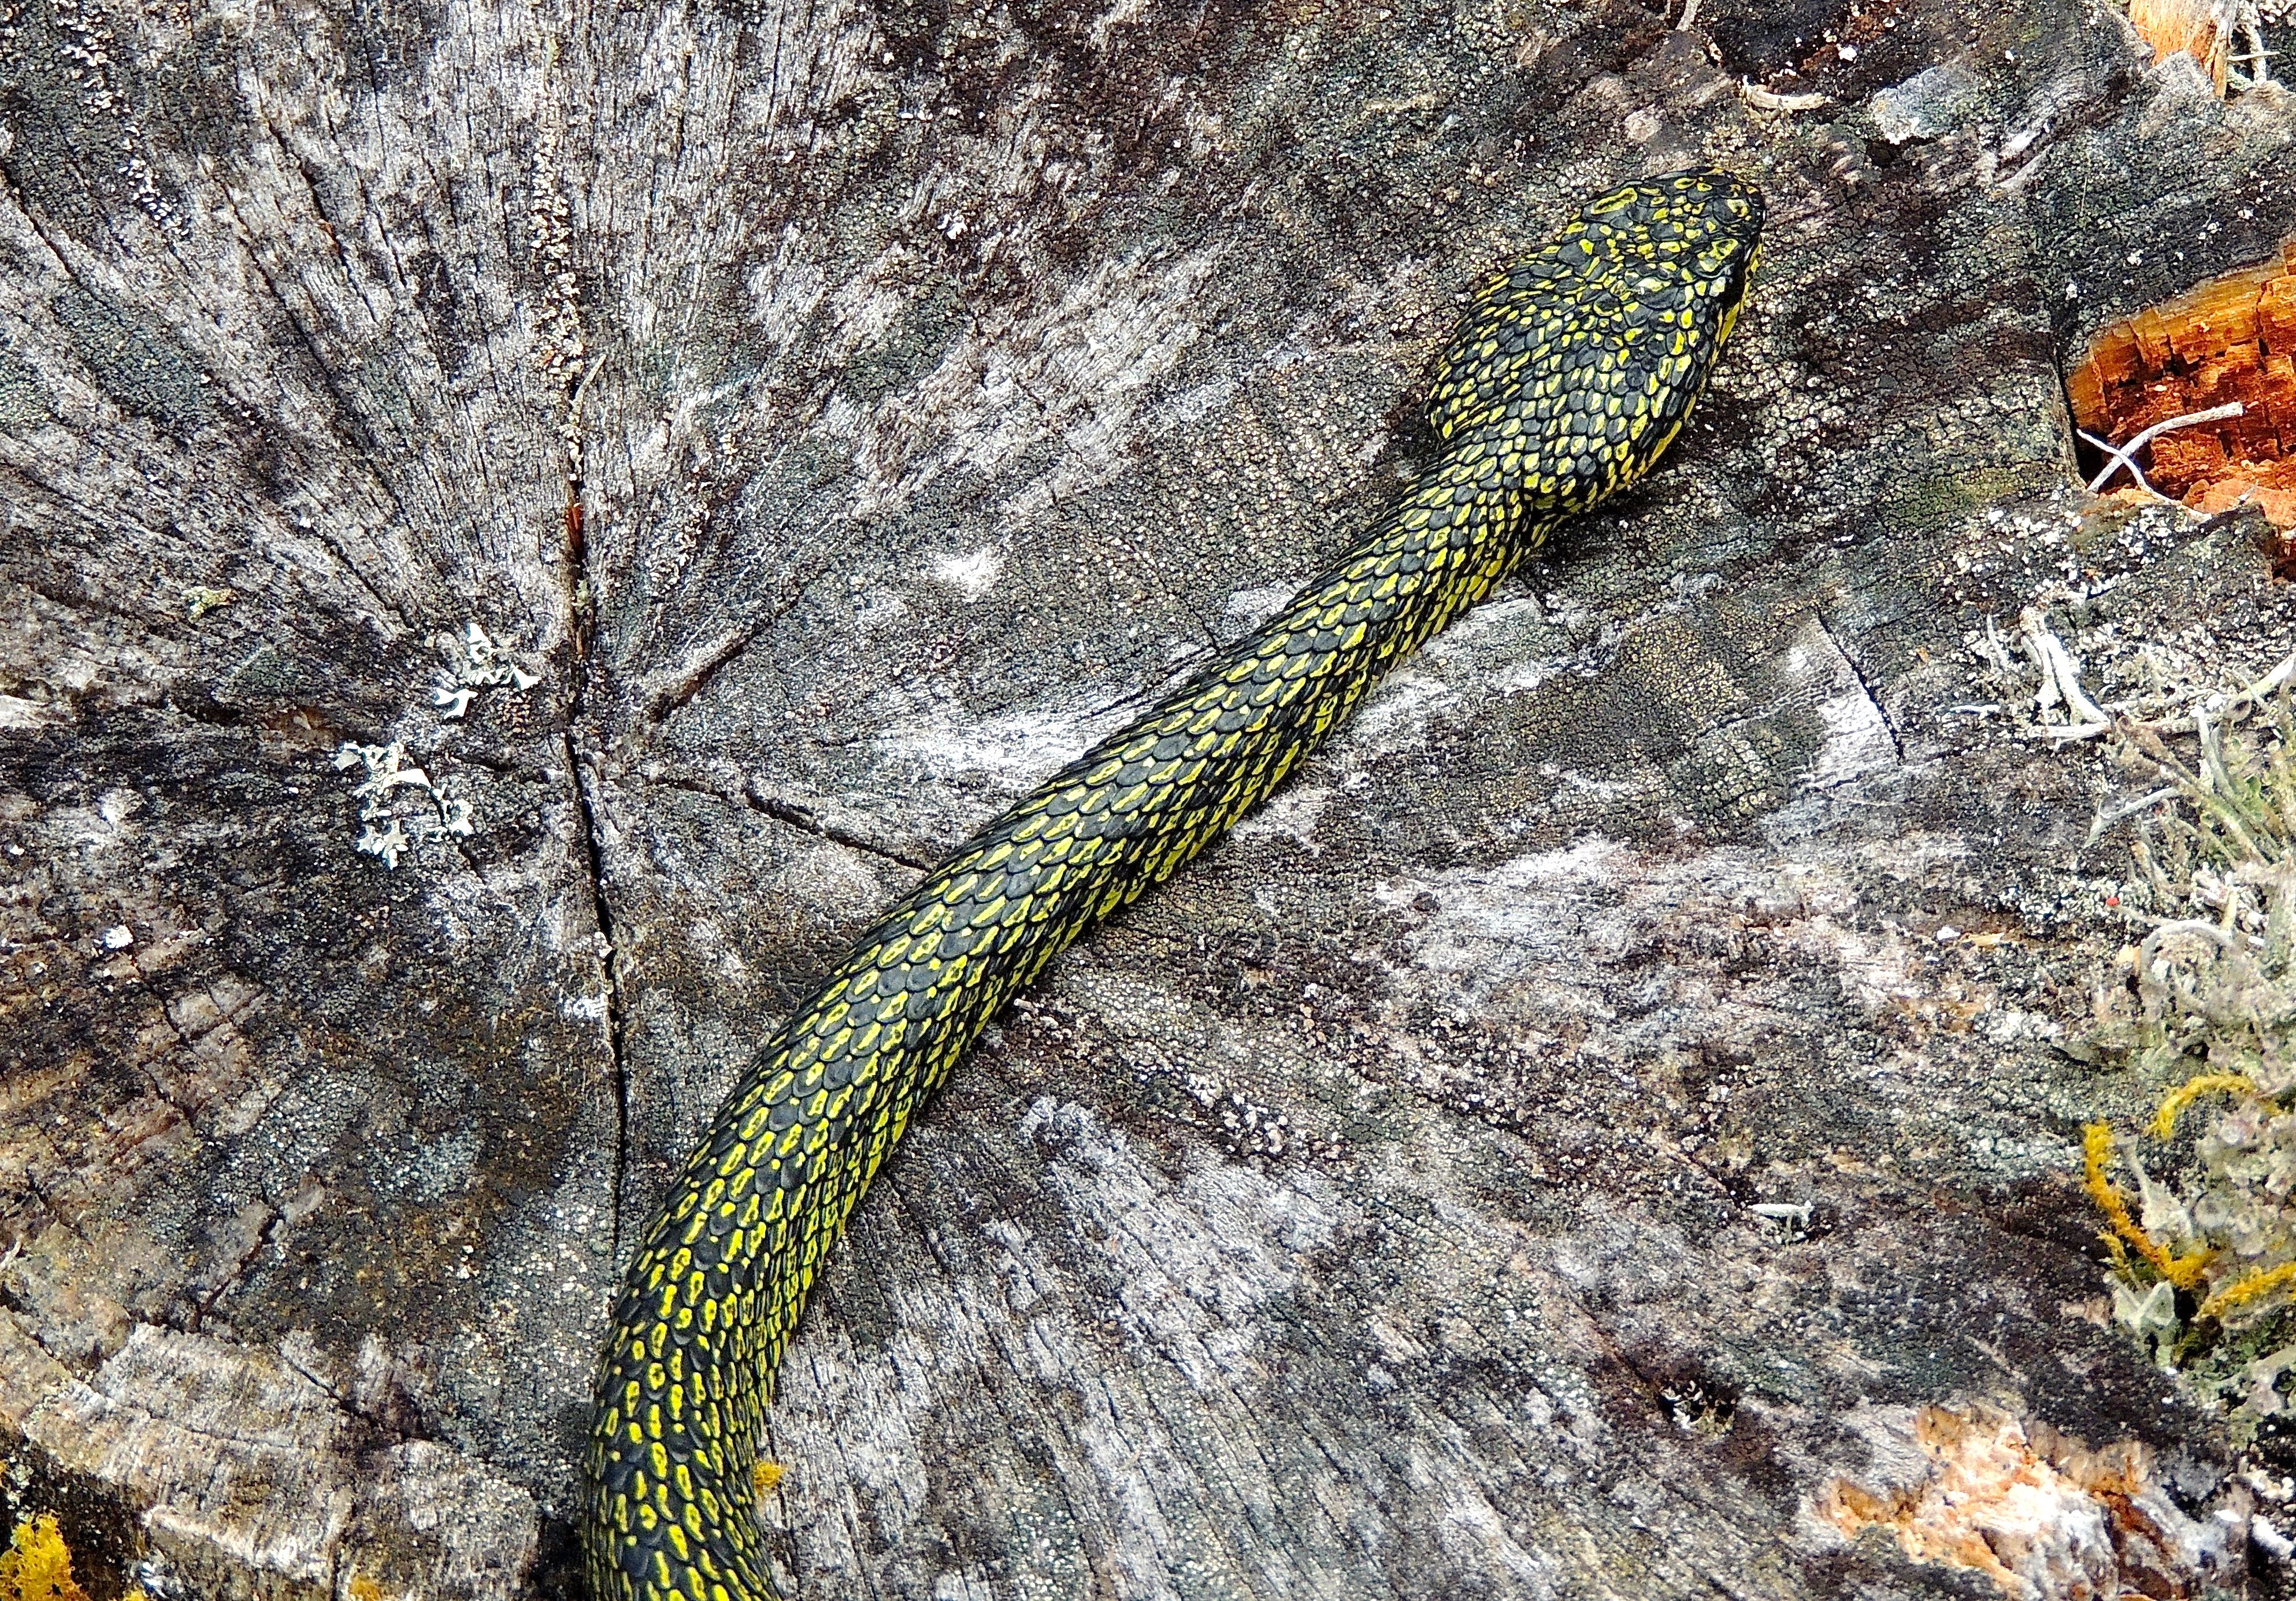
(1365, 1214)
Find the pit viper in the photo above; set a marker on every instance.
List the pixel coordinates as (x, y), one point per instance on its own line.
(1570, 373)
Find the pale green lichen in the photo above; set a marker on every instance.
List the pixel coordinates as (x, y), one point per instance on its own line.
(474, 662)
(401, 806)
(390, 829)
(2204, 1263)
(199, 599)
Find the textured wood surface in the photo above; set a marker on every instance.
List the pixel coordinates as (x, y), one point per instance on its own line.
(1369, 1214)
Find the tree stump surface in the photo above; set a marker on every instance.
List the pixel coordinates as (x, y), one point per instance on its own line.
(1370, 1212)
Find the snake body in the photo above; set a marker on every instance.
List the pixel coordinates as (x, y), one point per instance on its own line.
(1571, 372)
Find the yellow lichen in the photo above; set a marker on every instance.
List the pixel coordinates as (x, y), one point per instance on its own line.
(2096, 1148)
(37, 1566)
(2172, 1105)
(2242, 1291)
(766, 1475)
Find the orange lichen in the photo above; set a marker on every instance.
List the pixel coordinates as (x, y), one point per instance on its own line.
(2232, 339)
(36, 1565)
(2096, 1152)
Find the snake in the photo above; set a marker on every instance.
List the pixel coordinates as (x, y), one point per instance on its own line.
(1569, 373)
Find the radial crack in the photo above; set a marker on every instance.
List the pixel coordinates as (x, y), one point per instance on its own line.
(803, 817)
(602, 913)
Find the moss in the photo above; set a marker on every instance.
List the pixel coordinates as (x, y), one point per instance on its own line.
(2204, 1262)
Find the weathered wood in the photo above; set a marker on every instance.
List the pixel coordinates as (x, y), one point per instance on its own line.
(1367, 1214)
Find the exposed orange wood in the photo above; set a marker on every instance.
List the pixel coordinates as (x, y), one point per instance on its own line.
(2233, 338)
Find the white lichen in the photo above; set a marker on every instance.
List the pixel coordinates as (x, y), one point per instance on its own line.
(1791, 1219)
(401, 805)
(474, 662)
(392, 828)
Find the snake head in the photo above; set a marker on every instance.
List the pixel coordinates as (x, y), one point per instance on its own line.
(1574, 368)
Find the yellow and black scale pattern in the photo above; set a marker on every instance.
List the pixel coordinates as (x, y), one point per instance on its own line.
(1571, 373)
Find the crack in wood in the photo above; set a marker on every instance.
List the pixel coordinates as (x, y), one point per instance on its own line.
(583, 780)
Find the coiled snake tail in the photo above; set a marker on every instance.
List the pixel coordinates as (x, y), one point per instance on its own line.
(1571, 373)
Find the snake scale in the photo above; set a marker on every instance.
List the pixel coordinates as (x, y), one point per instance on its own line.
(1570, 373)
